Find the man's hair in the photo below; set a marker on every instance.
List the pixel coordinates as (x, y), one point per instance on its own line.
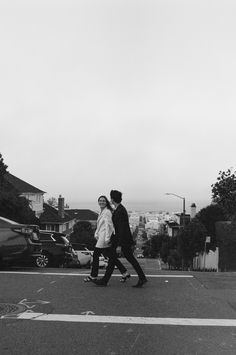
(116, 196)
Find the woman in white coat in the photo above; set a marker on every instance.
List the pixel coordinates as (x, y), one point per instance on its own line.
(103, 233)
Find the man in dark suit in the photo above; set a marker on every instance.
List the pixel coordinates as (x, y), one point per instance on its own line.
(123, 238)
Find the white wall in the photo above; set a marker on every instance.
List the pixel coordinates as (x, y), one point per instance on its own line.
(211, 260)
(36, 202)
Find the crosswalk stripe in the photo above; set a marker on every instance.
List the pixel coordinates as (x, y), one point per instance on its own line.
(86, 274)
(126, 320)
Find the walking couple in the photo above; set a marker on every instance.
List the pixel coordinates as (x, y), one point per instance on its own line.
(113, 234)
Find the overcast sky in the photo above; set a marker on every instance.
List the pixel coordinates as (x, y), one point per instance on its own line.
(138, 96)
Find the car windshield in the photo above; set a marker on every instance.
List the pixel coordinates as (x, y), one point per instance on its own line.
(45, 237)
(77, 246)
(66, 240)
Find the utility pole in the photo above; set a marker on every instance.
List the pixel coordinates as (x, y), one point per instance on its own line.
(183, 213)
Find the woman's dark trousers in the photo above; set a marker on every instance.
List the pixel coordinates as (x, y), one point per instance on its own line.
(95, 266)
(107, 252)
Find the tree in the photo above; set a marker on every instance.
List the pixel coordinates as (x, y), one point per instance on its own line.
(226, 238)
(135, 233)
(83, 233)
(164, 252)
(156, 243)
(208, 216)
(152, 246)
(147, 248)
(191, 240)
(224, 192)
(16, 208)
(3, 170)
(52, 201)
(144, 235)
(13, 206)
(174, 259)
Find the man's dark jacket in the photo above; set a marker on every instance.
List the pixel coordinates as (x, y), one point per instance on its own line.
(123, 235)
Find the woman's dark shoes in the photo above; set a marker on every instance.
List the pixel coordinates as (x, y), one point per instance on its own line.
(100, 282)
(125, 277)
(140, 283)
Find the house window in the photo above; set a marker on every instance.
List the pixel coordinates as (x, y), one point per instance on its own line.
(51, 227)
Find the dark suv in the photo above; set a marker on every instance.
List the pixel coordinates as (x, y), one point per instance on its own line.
(56, 249)
(18, 242)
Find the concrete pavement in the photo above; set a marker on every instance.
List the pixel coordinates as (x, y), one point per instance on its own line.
(191, 296)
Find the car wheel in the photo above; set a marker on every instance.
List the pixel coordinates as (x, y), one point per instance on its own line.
(42, 261)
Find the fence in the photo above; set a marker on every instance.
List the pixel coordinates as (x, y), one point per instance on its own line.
(206, 261)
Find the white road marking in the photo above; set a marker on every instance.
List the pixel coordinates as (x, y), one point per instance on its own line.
(41, 289)
(125, 320)
(85, 274)
(32, 304)
(87, 313)
(135, 341)
(26, 303)
(190, 283)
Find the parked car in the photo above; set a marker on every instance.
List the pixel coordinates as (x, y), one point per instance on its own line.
(74, 263)
(84, 255)
(102, 261)
(56, 249)
(18, 242)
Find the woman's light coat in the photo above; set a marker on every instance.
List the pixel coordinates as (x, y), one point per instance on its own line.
(104, 229)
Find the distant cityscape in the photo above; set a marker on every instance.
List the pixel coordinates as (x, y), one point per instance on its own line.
(167, 205)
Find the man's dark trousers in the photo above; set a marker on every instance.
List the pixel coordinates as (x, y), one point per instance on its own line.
(128, 254)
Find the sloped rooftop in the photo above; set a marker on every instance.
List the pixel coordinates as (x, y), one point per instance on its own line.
(83, 214)
(50, 215)
(172, 224)
(20, 185)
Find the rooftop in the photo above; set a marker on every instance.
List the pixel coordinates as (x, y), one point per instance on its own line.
(20, 185)
(83, 215)
(50, 215)
(172, 224)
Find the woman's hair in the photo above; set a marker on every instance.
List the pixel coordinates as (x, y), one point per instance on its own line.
(116, 196)
(108, 205)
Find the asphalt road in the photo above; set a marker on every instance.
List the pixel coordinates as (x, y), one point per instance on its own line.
(57, 313)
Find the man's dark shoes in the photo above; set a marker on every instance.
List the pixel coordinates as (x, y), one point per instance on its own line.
(140, 283)
(125, 277)
(100, 282)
